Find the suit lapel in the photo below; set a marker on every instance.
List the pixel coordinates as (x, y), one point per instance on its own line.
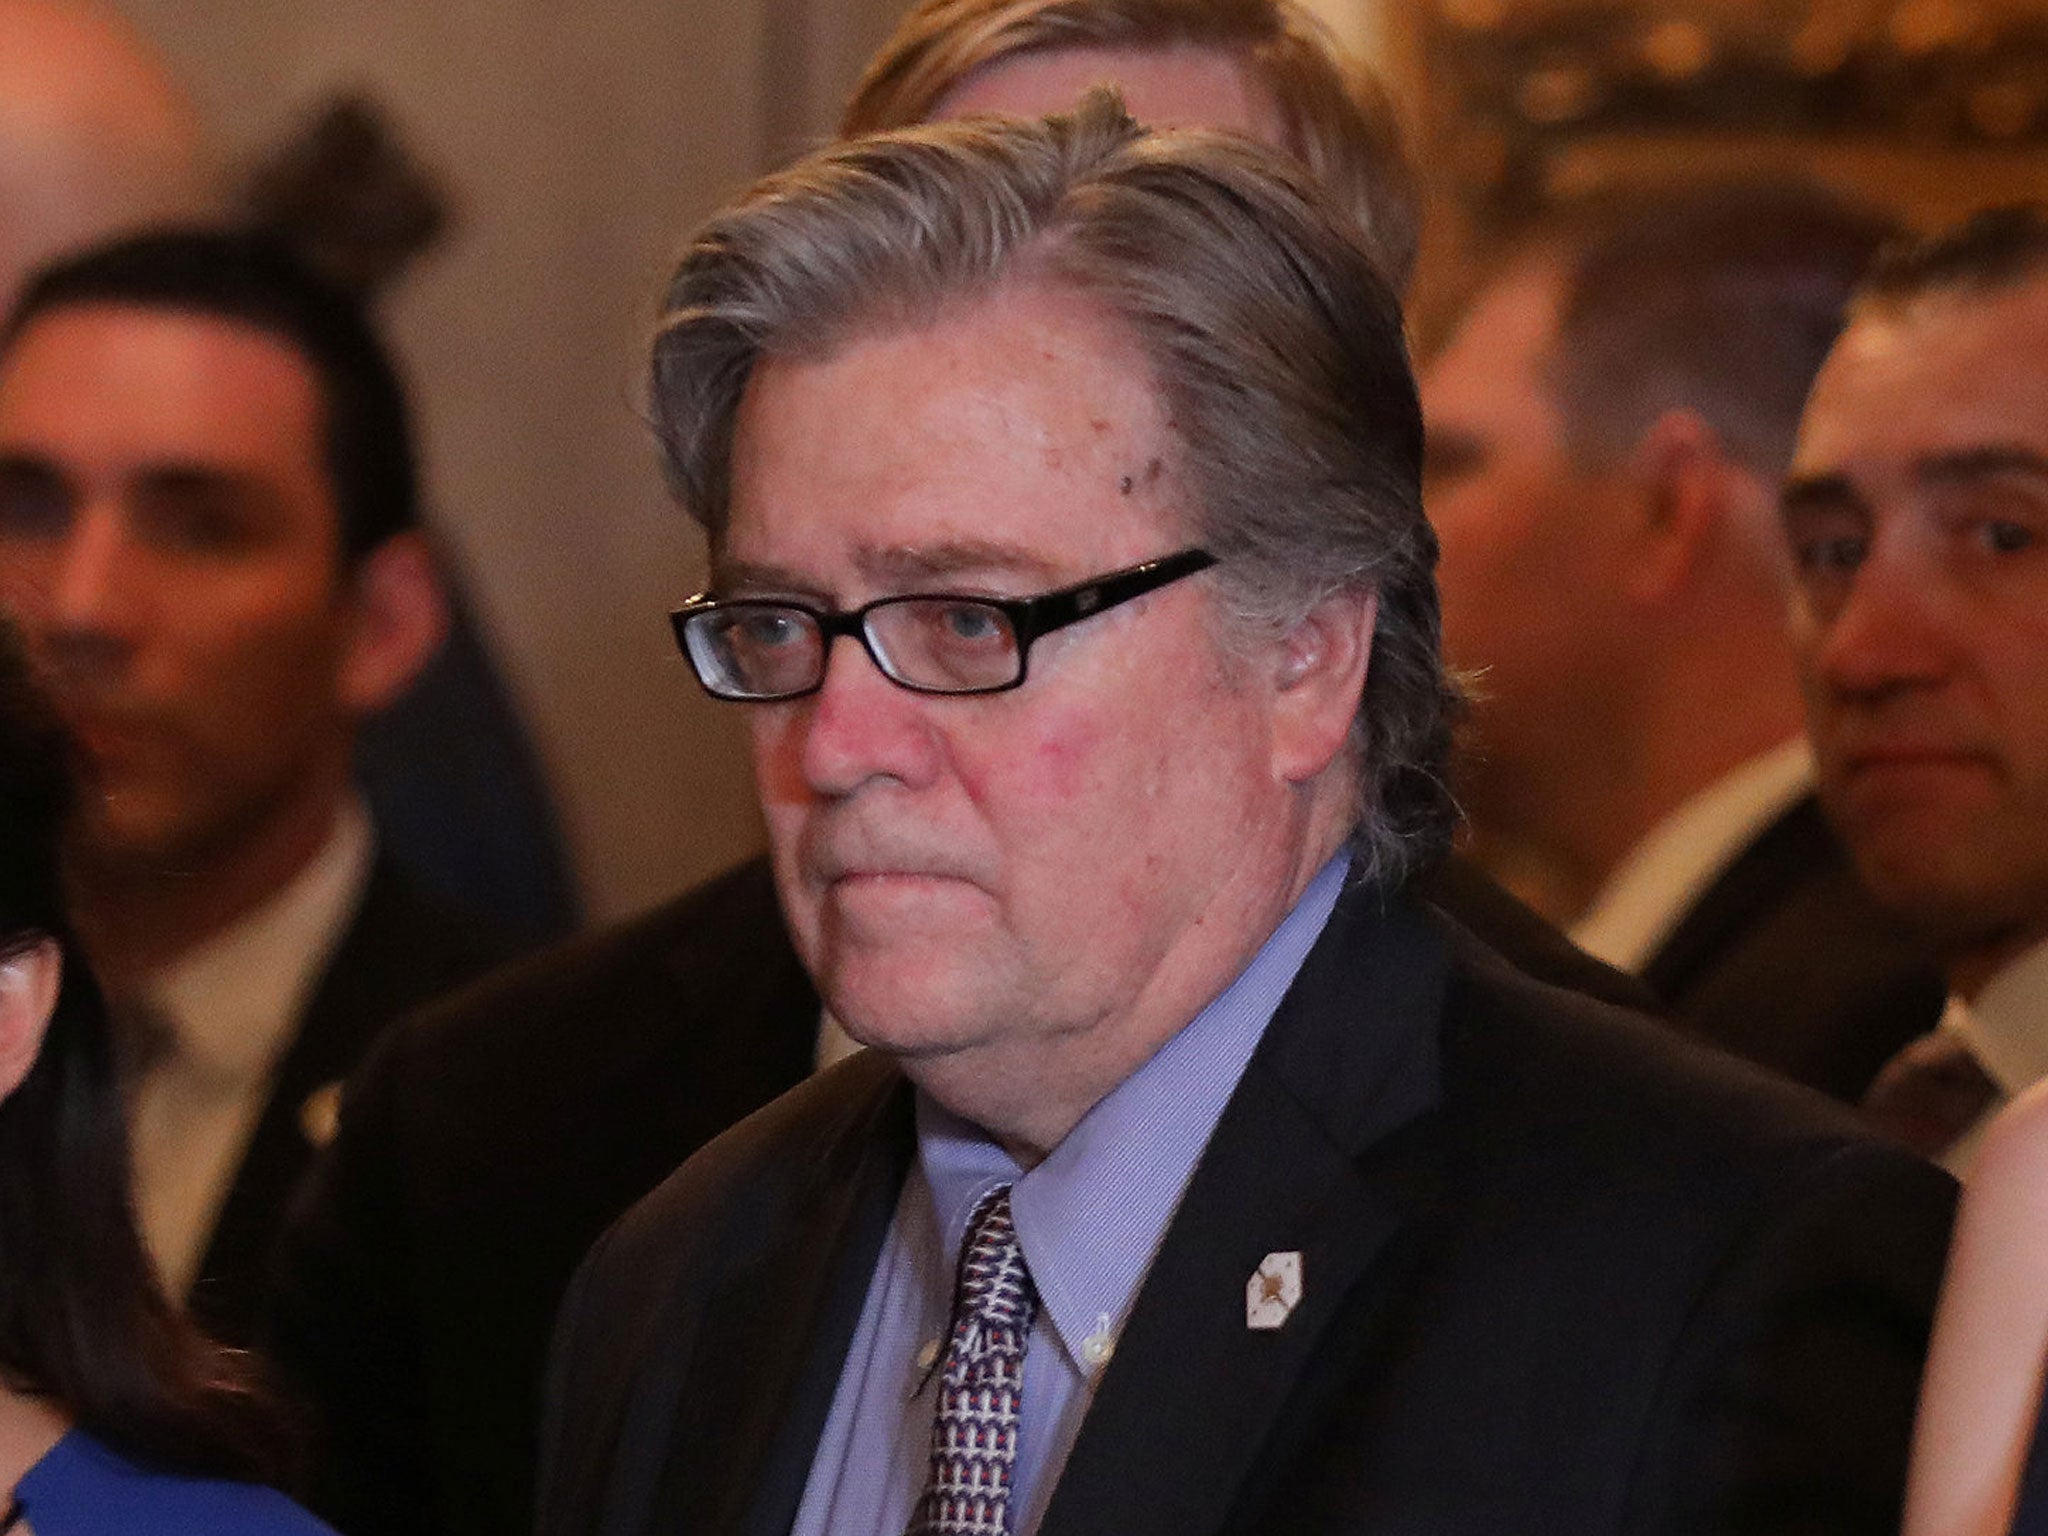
(778, 1328)
(1324, 1150)
(1743, 895)
(396, 952)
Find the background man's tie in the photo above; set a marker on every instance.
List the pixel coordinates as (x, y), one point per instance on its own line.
(974, 1435)
(1929, 1094)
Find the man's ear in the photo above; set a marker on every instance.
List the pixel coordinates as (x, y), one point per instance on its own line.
(29, 979)
(1319, 679)
(1683, 469)
(399, 619)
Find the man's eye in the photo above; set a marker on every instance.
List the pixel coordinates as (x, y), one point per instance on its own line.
(1446, 458)
(974, 623)
(767, 629)
(33, 506)
(1829, 557)
(2001, 536)
(196, 524)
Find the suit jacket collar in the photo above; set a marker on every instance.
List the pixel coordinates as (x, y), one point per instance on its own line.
(1784, 852)
(397, 951)
(786, 1318)
(1323, 1151)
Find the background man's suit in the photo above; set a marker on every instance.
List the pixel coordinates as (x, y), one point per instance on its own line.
(1785, 961)
(401, 949)
(482, 1149)
(1563, 1273)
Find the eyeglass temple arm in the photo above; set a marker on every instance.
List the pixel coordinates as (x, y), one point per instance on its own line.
(1041, 615)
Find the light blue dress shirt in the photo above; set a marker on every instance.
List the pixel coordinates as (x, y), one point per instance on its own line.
(1089, 1217)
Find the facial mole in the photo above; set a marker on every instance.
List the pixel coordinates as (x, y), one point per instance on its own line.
(1154, 469)
(1123, 485)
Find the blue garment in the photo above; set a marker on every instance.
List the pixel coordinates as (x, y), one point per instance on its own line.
(1089, 1218)
(83, 1489)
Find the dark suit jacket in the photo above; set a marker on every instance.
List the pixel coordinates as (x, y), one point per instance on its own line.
(1563, 1273)
(483, 1147)
(1785, 961)
(401, 948)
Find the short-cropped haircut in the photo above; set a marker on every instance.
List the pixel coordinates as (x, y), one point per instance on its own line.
(1274, 341)
(1993, 250)
(250, 278)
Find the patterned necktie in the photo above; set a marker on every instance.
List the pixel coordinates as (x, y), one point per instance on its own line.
(974, 1435)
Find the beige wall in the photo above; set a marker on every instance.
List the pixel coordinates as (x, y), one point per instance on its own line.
(579, 141)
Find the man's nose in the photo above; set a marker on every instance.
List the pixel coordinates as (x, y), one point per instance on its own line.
(860, 726)
(88, 597)
(86, 577)
(1888, 634)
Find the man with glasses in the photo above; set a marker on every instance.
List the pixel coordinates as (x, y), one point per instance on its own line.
(476, 1158)
(1063, 492)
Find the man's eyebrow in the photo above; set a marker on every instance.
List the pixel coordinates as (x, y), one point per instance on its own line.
(1991, 462)
(21, 462)
(1826, 492)
(181, 478)
(920, 564)
(898, 568)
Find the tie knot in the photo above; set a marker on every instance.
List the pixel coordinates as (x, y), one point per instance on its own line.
(995, 1287)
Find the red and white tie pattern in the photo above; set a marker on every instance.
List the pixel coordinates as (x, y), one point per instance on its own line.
(974, 1434)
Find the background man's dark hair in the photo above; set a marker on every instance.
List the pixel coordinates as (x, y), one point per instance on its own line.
(1996, 249)
(250, 278)
(1721, 300)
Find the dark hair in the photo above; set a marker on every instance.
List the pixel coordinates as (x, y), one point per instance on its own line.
(81, 1317)
(1995, 249)
(1274, 339)
(1723, 300)
(250, 278)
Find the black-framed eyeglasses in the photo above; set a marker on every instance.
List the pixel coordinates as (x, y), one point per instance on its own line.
(760, 649)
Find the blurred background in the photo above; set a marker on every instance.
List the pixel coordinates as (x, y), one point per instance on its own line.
(575, 145)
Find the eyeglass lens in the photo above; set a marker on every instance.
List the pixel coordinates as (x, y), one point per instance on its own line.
(769, 650)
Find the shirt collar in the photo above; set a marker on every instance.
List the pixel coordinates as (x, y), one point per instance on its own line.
(1091, 1216)
(2006, 1024)
(230, 1005)
(1667, 870)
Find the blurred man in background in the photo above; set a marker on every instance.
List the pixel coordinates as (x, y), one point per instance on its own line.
(208, 536)
(97, 138)
(1607, 428)
(1917, 514)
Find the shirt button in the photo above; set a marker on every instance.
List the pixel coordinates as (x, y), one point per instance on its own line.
(1097, 1348)
(927, 1354)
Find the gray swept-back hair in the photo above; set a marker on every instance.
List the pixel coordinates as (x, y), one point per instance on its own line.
(1274, 342)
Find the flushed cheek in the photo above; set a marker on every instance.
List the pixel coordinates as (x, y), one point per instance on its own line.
(776, 738)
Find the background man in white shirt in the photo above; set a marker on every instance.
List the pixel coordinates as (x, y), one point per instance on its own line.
(1606, 431)
(1917, 512)
(208, 537)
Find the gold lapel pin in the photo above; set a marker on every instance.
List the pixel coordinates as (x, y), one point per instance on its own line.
(320, 1115)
